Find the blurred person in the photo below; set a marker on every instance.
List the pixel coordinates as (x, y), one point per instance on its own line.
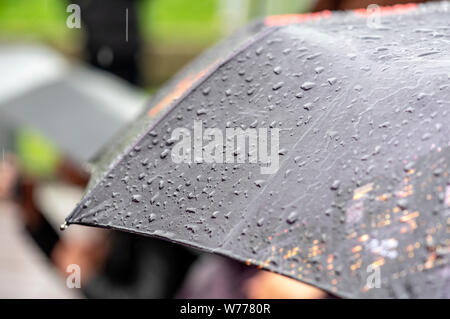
(8, 175)
(217, 277)
(19, 186)
(128, 266)
(269, 285)
(113, 41)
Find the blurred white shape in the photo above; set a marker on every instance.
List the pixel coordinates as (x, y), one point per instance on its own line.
(25, 67)
(24, 271)
(233, 14)
(77, 108)
(236, 13)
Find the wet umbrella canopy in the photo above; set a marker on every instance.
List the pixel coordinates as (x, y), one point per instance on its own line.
(360, 203)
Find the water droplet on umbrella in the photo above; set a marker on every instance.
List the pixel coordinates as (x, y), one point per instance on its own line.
(206, 91)
(319, 69)
(332, 81)
(402, 203)
(136, 198)
(277, 86)
(215, 214)
(292, 217)
(260, 222)
(87, 203)
(426, 136)
(254, 124)
(259, 182)
(308, 86)
(154, 198)
(308, 106)
(335, 185)
(191, 210)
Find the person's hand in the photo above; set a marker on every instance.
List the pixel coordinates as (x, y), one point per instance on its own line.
(8, 175)
(268, 285)
(90, 256)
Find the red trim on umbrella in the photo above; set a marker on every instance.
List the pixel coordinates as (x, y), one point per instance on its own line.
(398, 8)
(178, 91)
(285, 19)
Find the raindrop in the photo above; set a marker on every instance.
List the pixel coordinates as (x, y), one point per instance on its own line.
(254, 124)
(313, 56)
(427, 53)
(215, 214)
(308, 85)
(319, 69)
(308, 106)
(153, 199)
(259, 182)
(260, 222)
(335, 185)
(292, 218)
(206, 90)
(192, 228)
(191, 210)
(408, 166)
(87, 203)
(332, 81)
(437, 172)
(277, 86)
(402, 203)
(170, 141)
(136, 198)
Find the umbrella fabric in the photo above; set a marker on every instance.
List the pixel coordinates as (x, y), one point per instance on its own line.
(360, 203)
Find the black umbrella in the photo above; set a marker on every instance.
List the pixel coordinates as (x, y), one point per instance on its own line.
(358, 204)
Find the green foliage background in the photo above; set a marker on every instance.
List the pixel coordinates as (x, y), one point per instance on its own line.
(161, 20)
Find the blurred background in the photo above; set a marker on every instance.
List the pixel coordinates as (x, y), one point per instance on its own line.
(172, 32)
(66, 89)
